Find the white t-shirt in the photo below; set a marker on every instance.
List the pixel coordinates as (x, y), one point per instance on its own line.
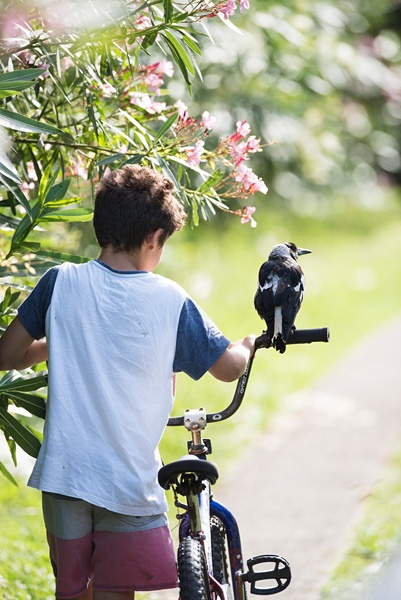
(114, 339)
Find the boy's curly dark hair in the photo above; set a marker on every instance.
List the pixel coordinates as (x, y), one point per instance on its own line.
(133, 202)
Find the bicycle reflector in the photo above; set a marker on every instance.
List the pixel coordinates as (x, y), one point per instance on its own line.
(268, 574)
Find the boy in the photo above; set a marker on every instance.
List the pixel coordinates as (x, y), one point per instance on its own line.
(114, 334)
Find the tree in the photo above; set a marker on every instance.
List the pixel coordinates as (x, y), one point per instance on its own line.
(82, 86)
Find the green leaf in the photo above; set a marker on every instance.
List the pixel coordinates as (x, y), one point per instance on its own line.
(60, 257)
(21, 75)
(17, 193)
(72, 215)
(214, 178)
(14, 381)
(168, 10)
(7, 474)
(110, 159)
(22, 231)
(12, 120)
(167, 125)
(191, 44)
(20, 434)
(47, 179)
(7, 168)
(57, 192)
(180, 55)
(35, 405)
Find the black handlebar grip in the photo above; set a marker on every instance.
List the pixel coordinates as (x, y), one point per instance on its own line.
(307, 336)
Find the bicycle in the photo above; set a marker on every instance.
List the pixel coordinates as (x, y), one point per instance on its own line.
(208, 529)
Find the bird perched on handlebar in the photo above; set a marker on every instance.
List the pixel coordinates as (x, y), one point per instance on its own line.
(279, 294)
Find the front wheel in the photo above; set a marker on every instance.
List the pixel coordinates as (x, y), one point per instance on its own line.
(192, 571)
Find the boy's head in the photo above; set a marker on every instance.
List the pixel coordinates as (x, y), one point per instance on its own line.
(133, 202)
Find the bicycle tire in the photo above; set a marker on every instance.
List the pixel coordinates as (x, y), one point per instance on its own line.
(192, 571)
(219, 555)
(221, 570)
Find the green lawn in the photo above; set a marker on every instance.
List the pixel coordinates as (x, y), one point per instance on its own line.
(348, 289)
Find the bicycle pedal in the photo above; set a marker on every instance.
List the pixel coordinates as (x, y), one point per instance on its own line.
(267, 574)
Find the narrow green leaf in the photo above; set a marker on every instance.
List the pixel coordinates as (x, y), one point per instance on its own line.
(214, 178)
(47, 180)
(168, 10)
(25, 226)
(60, 257)
(21, 75)
(14, 381)
(179, 49)
(20, 434)
(35, 405)
(72, 215)
(12, 120)
(7, 168)
(191, 44)
(110, 159)
(7, 474)
(167, 125)
(17, 193)
(57, 192)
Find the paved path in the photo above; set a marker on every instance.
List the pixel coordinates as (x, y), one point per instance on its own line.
(311, 472)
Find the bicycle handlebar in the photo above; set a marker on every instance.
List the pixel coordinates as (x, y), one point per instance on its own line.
(298, 336)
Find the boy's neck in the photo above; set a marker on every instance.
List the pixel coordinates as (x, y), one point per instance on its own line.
(122, 261)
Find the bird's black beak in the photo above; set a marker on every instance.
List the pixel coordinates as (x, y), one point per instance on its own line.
(303, 251)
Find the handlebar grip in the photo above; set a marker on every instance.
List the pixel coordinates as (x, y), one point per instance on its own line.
(307, 336)
(298, 336)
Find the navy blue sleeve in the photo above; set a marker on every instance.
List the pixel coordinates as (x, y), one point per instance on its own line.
(32, 311)
(199, 342)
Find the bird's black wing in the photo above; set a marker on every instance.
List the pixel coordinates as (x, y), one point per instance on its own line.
(280, 284)
(291, 298)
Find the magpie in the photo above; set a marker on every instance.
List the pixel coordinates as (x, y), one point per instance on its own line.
(279, 293)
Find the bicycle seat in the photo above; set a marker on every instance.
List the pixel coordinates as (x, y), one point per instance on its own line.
(187, 464)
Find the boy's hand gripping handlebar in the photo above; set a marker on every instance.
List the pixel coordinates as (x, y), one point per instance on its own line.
(298, 336)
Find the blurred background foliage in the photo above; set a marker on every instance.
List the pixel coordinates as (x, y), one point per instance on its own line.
(320, 84)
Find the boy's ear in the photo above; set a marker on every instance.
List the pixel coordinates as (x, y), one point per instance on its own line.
(153, 239)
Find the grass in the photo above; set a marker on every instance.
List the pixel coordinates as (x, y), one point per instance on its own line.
(372, 542)
(351, 287)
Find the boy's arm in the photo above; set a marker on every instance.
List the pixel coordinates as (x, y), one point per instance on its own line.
(232, 363)
(18, 349)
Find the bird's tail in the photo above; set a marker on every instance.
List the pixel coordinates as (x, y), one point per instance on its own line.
(278, 342)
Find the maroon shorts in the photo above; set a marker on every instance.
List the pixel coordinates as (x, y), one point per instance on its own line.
(117, 553)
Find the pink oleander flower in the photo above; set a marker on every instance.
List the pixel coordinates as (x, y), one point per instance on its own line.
(250, 181)
(246, 215)
(66, 62)
(164, 67)
(194, 154)
(253, 144)
(239, 152)
(154, 82)
(147, 103)
(46, 66)
(208, 122)
(243, 128)
(228, 9)
(182, 109)
(107, 90)
(143, 22)
(243, 5)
